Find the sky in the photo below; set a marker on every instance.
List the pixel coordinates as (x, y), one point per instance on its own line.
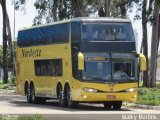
(26, 20)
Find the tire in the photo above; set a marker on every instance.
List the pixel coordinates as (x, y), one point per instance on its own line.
(61, 97)
(41, 100)
(108, 105)
(34, 99)
(70, 102)
(117, 105)
(28, 95)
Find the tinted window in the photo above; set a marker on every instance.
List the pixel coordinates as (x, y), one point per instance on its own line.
(75, 34)
(107, 32)
(44, 35)
(48, 67)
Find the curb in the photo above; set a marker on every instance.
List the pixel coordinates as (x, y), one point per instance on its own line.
(142, 106)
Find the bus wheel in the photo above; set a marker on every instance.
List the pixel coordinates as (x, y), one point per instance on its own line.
(107, 105)
(41, 100)
(34, 99)
(117, 105)
(61, 97)
(70, 102)
(28, 95)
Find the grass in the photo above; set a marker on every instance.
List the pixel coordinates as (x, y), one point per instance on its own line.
(31, 117)
(149, 96)
(22, 117)
(7, 87)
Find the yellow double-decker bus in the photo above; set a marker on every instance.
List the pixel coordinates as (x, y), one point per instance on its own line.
(91, 60)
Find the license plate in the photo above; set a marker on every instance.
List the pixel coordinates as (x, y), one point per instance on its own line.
(111, 97)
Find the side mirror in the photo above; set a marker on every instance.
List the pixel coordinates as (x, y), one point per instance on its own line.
(142, 62)
(80, 61)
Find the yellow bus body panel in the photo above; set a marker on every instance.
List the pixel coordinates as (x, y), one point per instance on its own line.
(46, 86)
(118, 91)
(26, 72)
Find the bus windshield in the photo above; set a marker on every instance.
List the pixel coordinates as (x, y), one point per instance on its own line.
(107, 32)
(97, 70)
(105, 68)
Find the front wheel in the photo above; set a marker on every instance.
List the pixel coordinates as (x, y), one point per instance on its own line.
(70, 102)
(107, 105)
(117, 105)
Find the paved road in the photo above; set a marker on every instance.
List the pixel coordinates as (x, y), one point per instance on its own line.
(16, 104)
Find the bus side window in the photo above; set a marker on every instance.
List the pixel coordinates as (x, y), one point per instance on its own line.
(58, 67)
(51, 67)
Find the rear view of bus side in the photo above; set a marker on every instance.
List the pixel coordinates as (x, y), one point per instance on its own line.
(90, 60)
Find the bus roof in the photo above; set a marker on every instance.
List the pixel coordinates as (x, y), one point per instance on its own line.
(100, 19)
(81, 19)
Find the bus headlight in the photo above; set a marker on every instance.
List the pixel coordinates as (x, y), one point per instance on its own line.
(131, 89)
(89, 90)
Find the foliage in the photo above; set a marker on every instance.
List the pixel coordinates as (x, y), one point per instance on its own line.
(53, 10)
(10, 63)
(118, 8)
(1, 83)
(31, 117)
(4, 86)
(149, 96)
(20, 5)
(12, 80)
(10, 87)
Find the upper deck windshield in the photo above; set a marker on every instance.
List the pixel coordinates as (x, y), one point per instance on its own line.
(107, 32)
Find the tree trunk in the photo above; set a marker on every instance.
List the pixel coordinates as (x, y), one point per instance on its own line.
(101, 12)
(154, 44)
(158, 43)
(106, 7)
(78, 8)
(5, 66)
(54, 10)
(145, 43)
(9, 39)
(158, 33)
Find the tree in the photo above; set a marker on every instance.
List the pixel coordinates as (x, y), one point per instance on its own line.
(154, 43)
(145, 42)
(54, 10)
(113, 8)
(146, 16)
(9, 60)
(6, 38)
(5, 70)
